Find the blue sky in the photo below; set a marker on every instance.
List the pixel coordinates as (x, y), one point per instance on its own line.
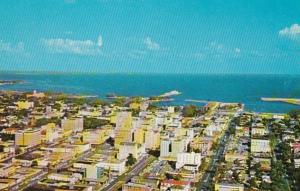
(151, 36)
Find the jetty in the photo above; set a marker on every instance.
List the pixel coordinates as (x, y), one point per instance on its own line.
(196, 101)
(284, 100)
(171, 93)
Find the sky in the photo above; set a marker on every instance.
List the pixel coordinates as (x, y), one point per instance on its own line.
(151, 36)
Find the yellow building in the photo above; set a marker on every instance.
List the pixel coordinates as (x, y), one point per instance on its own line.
(48, 133)
(113, 119)
(150, 138)
(92, 171)
(139, 135)
(123, 128)
(127, 148)
(135, 105)
(28, 137)
(72, 125)
(6, 170)
(24, 105)
(97, 136)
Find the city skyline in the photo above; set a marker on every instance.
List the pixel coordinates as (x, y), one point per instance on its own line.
(150, 95)
(103, 36)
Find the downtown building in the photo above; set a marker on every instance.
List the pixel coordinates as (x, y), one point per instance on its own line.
(28, 137)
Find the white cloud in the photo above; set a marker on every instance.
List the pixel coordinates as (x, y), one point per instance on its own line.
(11, 48)
(80, 47)
(215, 50)
(151, 45)
(292, 31)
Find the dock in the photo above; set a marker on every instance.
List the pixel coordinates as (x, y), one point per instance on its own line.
(284, 100)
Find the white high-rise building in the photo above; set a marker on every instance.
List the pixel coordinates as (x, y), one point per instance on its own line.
(170, 147)
(164, 147)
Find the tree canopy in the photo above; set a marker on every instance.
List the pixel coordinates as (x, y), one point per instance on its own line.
(93, 123)
(294, 113)
(190, 111)
(130, 160)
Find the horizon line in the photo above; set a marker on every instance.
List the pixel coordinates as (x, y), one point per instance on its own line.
(140, 73)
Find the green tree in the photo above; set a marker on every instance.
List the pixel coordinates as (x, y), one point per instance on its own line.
(155, 153)
(276, 170)
(119, 101)
(172, 164)
(130, 160)
(110, 141)
(57, 106)
(265, 186)
(189, 111)
(97, 102)
(253, 183)
(80, 101)
(34, 163)
(7, 137)
(286, 151)
(152, 107)
(232, 130)
(294, 113)
(273, 140)
(258, 171)
(93, 123)
(45, 121)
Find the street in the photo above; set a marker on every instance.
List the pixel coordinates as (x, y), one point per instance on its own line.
(135, 170)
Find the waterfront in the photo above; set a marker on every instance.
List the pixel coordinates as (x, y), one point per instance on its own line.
(246, 89)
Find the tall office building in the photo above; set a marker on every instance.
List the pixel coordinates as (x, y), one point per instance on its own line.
(170, 147)
(72, 124)
(28, 137)
(123, 128)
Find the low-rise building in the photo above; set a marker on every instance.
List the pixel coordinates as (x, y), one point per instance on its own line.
(175, 185)
(116, 166)
(136, 187)
(6, 170)
(190, 161)
(92, 170)
(228, 187)
(260, 145)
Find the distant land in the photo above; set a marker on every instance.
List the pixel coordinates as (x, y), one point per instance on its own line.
(193, 89)
(10, 82)
(284, 100)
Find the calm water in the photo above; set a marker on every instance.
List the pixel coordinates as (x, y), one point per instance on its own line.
(247, 89)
